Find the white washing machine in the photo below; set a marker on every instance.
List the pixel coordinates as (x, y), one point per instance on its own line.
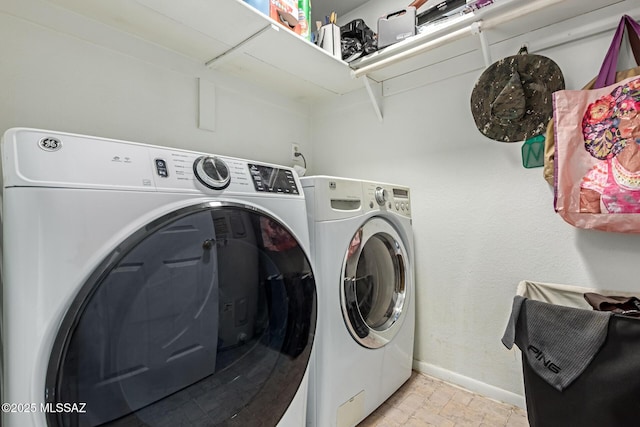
(362, 252)
(151, 286)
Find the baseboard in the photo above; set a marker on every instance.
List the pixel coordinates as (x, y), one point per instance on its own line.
(470, 384)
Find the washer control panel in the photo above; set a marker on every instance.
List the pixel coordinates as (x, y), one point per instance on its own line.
(273, 180)
(387, 197)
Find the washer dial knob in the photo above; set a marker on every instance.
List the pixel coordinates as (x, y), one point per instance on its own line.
(381, 196)
(212, 172)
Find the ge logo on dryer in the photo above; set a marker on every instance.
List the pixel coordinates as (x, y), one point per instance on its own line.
(50, 144)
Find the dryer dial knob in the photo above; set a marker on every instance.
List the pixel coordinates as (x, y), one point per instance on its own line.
(212, 172)
(381, 196)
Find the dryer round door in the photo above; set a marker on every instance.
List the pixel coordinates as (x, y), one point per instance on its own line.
(374, 289)
(204, 317)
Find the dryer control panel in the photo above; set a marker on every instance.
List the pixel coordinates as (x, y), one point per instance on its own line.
(33, 157)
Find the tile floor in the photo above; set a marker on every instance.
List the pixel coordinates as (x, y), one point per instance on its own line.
(424, 401)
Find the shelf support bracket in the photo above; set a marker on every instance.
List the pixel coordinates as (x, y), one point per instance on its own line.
(212, 62)
(476, 28)
(374, 96)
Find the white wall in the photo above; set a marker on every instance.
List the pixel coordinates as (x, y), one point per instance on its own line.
(60, 71)
(482, 222)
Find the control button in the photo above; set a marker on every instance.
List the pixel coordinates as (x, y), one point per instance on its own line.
(161, 168)
(397, 205)
(381, 196)
(371, 205)
(212, 172)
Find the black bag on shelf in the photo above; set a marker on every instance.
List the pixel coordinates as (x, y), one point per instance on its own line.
(357, 40)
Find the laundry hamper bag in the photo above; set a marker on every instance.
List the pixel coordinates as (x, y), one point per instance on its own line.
(581, 367)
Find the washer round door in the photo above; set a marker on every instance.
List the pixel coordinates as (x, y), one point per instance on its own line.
(203, 317)
(374, 283)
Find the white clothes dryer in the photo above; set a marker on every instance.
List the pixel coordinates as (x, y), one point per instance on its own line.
(362, 250)
(151, 286)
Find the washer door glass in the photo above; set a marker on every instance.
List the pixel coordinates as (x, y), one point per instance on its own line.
(374, 283)
(204, 317)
